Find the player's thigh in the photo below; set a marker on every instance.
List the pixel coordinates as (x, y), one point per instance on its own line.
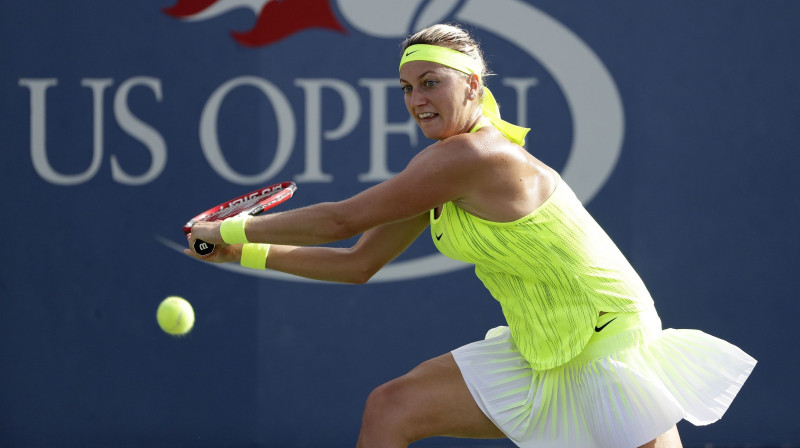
(669, 439)
(435, 401)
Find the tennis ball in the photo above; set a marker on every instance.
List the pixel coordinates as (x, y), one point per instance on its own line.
(175, 315)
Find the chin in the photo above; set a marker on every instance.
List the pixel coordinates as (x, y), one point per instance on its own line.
(430, 135)
(434, 134)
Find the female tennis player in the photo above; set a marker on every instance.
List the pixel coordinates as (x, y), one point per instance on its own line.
(583, 360)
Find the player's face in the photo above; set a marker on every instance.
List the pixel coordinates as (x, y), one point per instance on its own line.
(438, 98)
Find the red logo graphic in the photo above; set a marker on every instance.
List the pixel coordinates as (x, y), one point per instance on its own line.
(277, 19)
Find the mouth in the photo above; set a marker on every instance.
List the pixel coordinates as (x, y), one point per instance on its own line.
(426, 116)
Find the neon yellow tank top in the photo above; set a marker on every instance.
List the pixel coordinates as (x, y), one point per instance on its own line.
(552, 271)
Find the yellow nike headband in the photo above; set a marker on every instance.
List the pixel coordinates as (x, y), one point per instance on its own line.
(466, 64)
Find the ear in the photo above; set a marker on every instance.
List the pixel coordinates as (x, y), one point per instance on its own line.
(474, 84)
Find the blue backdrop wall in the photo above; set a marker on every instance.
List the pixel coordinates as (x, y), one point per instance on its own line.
(676, 123)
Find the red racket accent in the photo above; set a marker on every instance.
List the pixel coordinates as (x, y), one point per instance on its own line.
(252, 203)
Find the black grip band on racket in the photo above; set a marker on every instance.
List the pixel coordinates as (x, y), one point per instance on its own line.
(203, 248)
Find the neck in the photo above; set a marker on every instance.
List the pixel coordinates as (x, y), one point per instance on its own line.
(474, 121)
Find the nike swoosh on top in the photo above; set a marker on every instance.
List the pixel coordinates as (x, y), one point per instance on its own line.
(604, 325)
(438, 237)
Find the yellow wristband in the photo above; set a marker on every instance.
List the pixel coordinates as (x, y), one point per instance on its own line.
(255, 255)
(232, 230)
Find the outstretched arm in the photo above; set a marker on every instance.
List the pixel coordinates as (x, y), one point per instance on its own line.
(357, 264)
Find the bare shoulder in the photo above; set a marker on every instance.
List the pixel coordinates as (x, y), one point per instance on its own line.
(455, 159)
(507, 182)
(472, 154)
(468, 147)
(484, 174)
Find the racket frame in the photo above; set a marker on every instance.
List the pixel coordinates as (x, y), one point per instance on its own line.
(271, 197)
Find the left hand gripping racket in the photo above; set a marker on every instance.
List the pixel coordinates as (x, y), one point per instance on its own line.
(252, 203)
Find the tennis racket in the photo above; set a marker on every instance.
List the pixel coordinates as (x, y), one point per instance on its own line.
(252, 203)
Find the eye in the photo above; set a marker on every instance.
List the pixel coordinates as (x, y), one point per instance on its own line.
(406, 88)
(430, 83)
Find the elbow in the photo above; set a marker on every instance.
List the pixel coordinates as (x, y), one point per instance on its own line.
(352, 278)
(361, 270)
(363, 276)
(359, 280)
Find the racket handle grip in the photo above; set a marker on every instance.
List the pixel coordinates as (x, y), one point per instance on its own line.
(203, 248)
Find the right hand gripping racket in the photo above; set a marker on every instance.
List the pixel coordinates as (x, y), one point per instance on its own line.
(252, 203)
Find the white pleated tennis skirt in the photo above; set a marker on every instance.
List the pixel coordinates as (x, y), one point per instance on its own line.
(633, 382)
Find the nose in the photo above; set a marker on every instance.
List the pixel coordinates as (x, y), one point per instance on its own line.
(417, 98)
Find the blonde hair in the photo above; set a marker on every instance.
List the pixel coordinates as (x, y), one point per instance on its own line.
(450, 36)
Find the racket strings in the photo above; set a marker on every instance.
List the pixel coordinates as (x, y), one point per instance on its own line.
(234, 210)
(242, 205)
